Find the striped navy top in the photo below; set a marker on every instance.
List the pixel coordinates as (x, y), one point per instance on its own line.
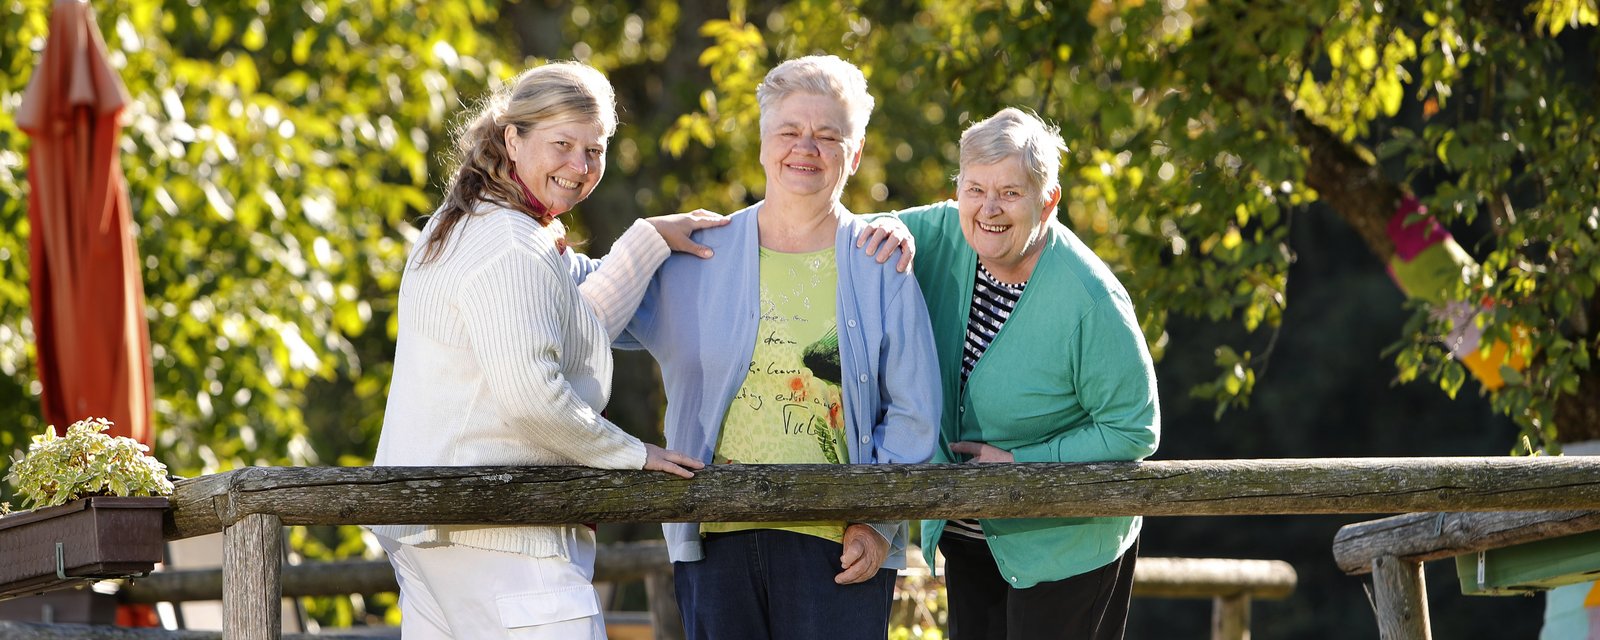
(992, 302)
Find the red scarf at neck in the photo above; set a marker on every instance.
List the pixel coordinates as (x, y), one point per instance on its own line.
(538, 207)
(541, 212)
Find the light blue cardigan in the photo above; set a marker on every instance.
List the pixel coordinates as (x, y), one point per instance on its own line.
(699, 320)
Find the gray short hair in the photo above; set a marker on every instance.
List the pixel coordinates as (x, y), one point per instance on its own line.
(821, 75)
(1016, 133)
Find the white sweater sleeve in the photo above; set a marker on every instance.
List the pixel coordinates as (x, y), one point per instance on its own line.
(517, 308)
(613, 291)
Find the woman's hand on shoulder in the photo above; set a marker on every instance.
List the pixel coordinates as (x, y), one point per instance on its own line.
(677, 228)
(885, 234)
(981, 452)
(669, 461)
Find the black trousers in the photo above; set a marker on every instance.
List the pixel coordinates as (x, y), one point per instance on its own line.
(983, 606)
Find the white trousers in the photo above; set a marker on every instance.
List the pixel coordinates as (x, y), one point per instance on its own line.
(452, 592)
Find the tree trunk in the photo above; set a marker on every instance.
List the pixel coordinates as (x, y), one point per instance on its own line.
(1354, 187)
(1361, 196)
(536, 25)
(1578, 415)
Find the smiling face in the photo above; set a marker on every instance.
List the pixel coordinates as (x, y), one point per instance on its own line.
(804, 147)
(1003, 216)
(560, 162)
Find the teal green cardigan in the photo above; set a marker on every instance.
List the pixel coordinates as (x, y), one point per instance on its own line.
(1067, 379)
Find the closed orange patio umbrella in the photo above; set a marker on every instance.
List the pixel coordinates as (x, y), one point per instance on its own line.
(88, 294)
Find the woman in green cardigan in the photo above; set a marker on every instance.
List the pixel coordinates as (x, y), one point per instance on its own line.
(1041, 360)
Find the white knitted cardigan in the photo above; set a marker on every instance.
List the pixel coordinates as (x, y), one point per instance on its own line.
(503, 360)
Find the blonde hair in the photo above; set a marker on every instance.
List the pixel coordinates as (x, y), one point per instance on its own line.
(557, 92)
(824, 76)
(1016, 133)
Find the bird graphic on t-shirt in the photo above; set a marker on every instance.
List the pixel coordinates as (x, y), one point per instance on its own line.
(822, 357)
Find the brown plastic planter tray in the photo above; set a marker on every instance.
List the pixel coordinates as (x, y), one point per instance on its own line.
(94, 538)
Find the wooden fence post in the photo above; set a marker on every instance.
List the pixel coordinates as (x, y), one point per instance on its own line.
(1230, 617)
(1401, 599)
(252, 562)
(662, 593)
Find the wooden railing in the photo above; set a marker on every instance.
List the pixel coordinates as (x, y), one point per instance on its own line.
(1393, 550)
(554, 495)
(250, 506)
(618, 562)
(1231, 584)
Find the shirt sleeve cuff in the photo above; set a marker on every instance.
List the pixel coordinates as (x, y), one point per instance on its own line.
(643, 241)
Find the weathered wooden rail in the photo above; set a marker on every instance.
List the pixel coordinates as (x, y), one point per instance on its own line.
(551, 495)
(1230, 584)
(251, 505)
(1393, 550)
(618, 562)
(1153, 578)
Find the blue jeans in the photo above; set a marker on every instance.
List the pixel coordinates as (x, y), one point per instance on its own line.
(767, 584)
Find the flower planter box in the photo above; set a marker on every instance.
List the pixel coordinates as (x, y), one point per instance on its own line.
(90, 539)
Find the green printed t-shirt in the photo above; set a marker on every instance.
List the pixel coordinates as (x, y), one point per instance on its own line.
(790, 409)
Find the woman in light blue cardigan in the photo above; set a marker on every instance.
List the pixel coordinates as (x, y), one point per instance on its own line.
(698, 320)
(714, 324)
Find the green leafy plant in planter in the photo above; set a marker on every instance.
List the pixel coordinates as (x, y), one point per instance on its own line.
(97, 505)
(86, 462)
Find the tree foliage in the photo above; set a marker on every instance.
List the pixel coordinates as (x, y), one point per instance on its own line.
(1201, 131)
(275, 155)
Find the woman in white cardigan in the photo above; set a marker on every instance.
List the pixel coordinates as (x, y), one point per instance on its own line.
(503, 358)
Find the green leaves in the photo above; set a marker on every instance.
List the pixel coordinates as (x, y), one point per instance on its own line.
(86, 462)
(1557, 15)
(1232, 387)
(276, 158)
(275, 190)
